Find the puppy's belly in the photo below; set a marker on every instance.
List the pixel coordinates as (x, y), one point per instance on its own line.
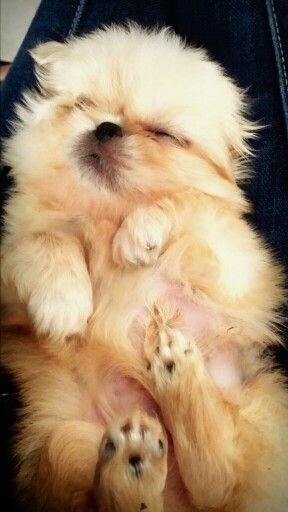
(120, 395)
(224, 366)
(198, 320)
(204, 326)
(114, 394)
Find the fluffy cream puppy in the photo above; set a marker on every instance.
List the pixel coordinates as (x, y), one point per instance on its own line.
(138, 299)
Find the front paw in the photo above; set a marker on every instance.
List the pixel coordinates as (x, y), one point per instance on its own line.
(141, 238)
(61, 308)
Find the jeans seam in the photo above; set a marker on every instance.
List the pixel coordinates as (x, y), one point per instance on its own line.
(77, 18)
(279, 56)
(280, 46)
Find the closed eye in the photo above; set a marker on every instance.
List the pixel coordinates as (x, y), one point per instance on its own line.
(83, 103)
(163, 135)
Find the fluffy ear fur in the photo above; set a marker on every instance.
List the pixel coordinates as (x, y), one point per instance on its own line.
(49, 58)
(48, 53)
(233, 149)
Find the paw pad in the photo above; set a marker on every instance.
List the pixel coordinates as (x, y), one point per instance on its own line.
(166, 347)
(138, 440)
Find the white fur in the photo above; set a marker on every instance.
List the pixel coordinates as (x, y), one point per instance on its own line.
(141, 237)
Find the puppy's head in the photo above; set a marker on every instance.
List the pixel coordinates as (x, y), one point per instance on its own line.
(138, 113)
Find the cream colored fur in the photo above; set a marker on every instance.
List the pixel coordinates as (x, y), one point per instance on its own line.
(126, 302)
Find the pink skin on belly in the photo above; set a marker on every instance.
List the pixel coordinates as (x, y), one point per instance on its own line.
(199, 322)
(224, 366)
(204, 326)
(122, 395)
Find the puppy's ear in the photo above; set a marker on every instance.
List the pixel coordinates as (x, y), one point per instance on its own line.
(227, 148)
(239, 139)
(49, 59)
(230, 151)
(47, 53)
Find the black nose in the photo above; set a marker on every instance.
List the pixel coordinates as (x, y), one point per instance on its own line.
(106, 131)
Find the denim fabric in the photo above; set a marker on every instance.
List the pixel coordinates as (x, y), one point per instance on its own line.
(249, 37)
(279, 28)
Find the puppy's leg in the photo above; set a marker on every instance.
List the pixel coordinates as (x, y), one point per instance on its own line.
(51, 278)
(200, 422)
(231, 455)
(64, 479)
(132, 466)
(142, 236)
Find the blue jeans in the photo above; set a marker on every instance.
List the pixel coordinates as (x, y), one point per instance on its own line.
(249, 37)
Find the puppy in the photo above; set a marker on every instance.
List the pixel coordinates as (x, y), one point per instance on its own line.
(138, 301)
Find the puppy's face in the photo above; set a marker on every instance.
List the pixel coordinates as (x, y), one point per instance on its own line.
(138, 113)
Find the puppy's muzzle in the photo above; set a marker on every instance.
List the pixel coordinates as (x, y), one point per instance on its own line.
(100, 154)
